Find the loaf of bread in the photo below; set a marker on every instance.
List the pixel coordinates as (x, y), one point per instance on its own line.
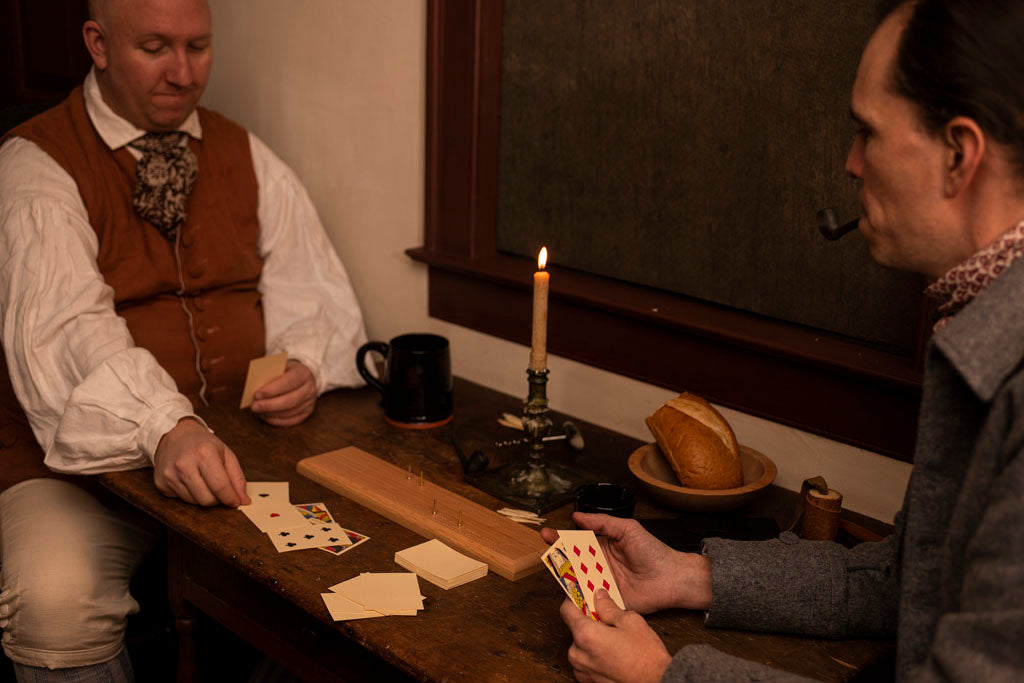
(698, 443)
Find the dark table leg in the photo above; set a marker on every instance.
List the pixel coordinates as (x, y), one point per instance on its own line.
(185, 621)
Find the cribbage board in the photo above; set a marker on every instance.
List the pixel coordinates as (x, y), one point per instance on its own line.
(509, 549)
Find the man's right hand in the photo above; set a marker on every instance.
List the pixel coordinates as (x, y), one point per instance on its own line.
(192, 464)
(650, 575)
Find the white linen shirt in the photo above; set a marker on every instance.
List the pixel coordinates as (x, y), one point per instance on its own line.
(96, 402)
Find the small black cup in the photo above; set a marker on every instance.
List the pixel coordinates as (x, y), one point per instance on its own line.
(609, 499)
(417, 380)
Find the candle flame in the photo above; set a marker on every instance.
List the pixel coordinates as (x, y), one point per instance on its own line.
(542, 258)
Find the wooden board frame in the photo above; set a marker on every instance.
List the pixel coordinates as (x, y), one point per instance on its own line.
(509, 549)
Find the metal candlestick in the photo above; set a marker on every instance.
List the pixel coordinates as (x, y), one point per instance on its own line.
(534, 479)
(531, 482)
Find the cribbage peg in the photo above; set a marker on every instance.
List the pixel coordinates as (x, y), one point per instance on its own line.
(409, 475)
(434, 511)
(421, 477)
(460, 517)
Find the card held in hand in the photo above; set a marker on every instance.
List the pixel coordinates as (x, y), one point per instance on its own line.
(558, 564)
(262, 371)
(590, 565)
(578, 562)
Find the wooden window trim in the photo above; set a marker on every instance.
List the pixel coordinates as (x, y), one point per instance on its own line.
(806, 378)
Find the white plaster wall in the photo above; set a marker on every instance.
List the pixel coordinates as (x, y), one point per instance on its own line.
(336, 88)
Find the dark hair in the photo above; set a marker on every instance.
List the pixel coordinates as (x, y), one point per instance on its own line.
(965, 58)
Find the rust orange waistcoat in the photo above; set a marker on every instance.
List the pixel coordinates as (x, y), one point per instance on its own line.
(222, 329)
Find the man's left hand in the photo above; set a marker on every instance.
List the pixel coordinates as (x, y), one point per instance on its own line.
(620, 647)
(289, 399)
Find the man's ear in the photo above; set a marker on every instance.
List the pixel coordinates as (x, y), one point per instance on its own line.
(95, 43)
(965, 148)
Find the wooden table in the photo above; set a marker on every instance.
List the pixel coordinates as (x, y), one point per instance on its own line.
(490, 629)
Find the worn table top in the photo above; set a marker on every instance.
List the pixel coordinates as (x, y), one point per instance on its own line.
(504, 631)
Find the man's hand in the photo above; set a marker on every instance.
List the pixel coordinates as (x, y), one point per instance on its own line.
(620, 647)
(289, 399)
(194, 465)
(650, 575)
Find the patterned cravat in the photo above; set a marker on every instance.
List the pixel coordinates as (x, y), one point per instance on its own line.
(163, 178)
(964, 281)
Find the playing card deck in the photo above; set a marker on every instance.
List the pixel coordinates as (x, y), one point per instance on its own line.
(578, 563)
(440, 565)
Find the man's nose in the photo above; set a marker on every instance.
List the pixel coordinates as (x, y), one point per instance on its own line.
(855, 159)
(179, 71)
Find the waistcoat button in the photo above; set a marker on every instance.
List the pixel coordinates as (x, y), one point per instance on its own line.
(205, 333)
(197, 269)
(208, 363)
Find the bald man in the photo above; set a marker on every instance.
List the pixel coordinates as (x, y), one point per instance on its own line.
(152, 249)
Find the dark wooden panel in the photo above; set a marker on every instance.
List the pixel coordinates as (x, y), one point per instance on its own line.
(43, 53)
(687, 145)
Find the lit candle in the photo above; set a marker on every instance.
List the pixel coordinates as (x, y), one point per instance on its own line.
(538, 344)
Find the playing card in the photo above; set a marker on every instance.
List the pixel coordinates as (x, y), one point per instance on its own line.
(343, 609)
(353, 536)
(557, 562)
(273, 516)
(388, 593)
(315, 512)
(306, 536)
(589, 565)
(262, 371)
(265, 492)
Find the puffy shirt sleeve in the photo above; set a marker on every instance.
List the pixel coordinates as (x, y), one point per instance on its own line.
(96, 403)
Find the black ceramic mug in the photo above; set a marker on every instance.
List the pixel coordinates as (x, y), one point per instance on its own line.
(609, 499)
(417, 379)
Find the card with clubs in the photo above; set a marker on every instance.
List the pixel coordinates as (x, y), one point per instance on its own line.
(308, 536)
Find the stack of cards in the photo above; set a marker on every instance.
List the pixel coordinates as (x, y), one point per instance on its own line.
(295, 527)
(578, 563)
(374, 595)
(441, 565)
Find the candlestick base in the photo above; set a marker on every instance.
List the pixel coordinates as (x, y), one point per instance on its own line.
(520, 484)
(533, 483)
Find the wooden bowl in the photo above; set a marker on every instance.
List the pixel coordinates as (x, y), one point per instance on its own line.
(648, 464)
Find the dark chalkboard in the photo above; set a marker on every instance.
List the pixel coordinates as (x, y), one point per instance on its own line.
(686, 145)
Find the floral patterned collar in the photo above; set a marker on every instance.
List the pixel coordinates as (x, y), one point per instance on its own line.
(966, 280)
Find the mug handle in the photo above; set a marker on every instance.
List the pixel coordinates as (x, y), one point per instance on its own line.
(381, 348)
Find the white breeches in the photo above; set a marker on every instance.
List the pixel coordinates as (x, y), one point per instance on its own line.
(65, 564)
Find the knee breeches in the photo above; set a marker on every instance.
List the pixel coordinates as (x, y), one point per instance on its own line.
(66, 561)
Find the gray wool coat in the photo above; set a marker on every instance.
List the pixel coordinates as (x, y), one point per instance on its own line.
(949, 583)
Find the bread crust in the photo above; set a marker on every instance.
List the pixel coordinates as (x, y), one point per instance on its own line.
(698, 443)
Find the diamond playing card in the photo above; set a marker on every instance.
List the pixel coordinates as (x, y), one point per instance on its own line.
(591, 566)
